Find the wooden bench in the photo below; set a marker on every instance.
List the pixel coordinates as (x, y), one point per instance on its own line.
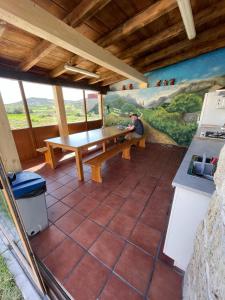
(44, 150)
(98, 160)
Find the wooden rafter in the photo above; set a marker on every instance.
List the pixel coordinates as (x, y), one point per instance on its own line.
(140, 20)
(205, 47)
(210, 40)
(207, 35)
(130, 26)
(79, 14)
(207, 15)
(32, 18)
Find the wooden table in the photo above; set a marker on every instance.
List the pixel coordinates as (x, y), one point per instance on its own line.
(82, 140)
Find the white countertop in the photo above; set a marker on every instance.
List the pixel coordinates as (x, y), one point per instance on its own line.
(198, 146)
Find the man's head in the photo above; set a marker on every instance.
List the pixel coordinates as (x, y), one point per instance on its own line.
(134, 117)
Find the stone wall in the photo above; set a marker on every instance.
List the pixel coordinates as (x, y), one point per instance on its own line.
(205, 275)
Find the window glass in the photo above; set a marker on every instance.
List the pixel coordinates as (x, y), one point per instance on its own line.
(74, 105)
(93, 104)
(12, 100)
(41, 104)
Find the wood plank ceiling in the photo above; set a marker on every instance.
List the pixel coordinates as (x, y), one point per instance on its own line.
(146, 34)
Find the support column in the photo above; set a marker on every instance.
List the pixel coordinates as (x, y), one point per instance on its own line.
(101, 108)
(60, 111)
(8, 151)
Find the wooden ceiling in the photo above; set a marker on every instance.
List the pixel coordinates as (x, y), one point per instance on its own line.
(146, 34)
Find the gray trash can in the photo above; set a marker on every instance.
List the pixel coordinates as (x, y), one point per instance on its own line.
(29, 191)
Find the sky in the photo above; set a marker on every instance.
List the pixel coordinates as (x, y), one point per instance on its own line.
(10, 92)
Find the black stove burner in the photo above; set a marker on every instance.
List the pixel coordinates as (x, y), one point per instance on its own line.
(215, 134)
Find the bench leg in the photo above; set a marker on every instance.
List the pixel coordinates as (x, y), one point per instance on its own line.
(51, 156)
(96, 174)
(141, 143)
(47, 157)
(126, 153)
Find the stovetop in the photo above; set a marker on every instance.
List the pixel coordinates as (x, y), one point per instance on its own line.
(215, 134)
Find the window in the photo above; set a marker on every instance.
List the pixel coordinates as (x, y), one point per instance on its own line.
(74, 105)
(92, 104)
(12, 100)
(41, 104)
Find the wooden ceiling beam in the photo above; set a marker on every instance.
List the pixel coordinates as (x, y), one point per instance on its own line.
(139, 21)
(205, 47)
(130, 26)
(191, 52)
(210, 34)
(112, 80)
(30, 17)
(205, 16)
(79, 14)
(10, 72)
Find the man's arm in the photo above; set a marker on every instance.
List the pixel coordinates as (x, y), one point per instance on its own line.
(130, 127)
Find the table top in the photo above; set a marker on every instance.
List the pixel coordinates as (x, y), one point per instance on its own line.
(87, 138)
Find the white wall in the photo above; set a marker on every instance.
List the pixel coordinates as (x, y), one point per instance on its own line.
(211, 115)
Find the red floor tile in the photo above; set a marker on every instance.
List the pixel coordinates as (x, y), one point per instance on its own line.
(61, 192)
(102, 214)
(107, 248)
(86, 206)
(73, 198)
(50, 200)
(166, 284)
(113, 200)
(122, 224)
(99, 194)
(154, 219)
(146, 237)
(135, 267)
(132, 208)
(64, 179)
(46, 241)
(53, 186)
(63, 259)
(69, 222)
(86, 188)
(56, 211)
(116, 289)
(86, 233)
(123, 191)
(74, 184)
(87, 280)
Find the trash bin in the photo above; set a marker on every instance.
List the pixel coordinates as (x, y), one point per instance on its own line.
(29, 191)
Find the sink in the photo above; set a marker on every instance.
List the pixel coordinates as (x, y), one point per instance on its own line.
(197, 168)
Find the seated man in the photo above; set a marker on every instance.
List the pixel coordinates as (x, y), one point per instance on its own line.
(137, 129)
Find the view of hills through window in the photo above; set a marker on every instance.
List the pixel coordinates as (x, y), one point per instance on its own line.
(41, 104)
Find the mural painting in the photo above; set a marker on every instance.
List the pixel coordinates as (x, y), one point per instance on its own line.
(169, 113)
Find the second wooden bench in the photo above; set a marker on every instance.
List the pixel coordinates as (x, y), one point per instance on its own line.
(96, 162)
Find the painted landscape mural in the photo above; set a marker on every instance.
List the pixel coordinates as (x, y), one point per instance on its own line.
(169, 113)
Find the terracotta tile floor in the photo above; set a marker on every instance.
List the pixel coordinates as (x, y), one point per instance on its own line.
(106, 240)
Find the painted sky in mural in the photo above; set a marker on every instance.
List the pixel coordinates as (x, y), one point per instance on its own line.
(202, 67)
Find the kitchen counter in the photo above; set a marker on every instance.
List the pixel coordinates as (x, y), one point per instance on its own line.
(198, 146)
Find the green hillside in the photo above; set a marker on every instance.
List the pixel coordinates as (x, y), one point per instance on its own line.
(42, 112)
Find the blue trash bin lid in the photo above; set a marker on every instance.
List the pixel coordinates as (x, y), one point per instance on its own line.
(26, 183)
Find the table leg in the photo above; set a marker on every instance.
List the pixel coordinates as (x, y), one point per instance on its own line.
(79, 165)
(104, 146)
(51, 156)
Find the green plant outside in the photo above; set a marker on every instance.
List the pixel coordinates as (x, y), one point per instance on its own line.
(8, 288)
